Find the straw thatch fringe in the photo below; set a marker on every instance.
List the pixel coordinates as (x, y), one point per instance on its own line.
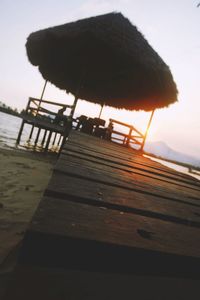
(120, 68)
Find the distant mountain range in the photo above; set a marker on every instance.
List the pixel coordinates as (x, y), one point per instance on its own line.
(162, 150)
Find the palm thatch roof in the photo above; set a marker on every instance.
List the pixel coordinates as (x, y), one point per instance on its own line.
(104, 59)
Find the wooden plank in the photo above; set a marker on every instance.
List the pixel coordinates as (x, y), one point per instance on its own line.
(79, 236)
(135, 177)
(49, 102)
(95, 142)
(92, 141)
(118, 158)
(105, 147)
(99, 194)
(153, 167)
(130, 170)
(117, 180)
(129, 154)
(145, 167)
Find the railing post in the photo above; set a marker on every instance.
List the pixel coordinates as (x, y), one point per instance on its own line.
(129, 136)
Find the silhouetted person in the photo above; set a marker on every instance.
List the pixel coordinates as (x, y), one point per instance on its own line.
(60, 117)
(109, 130)
(81, 121)
(88, 126)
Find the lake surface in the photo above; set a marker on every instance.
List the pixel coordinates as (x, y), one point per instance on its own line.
(10, 125)
(9, 128)
(174, 166)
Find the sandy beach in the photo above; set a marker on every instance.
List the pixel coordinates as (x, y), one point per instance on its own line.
(23, 179)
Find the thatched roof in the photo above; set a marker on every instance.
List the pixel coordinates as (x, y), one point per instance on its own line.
(109, 56)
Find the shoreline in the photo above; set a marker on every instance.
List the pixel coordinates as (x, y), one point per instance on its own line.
(24, 176)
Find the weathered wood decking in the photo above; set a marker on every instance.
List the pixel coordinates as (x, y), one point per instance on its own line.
(108, 210)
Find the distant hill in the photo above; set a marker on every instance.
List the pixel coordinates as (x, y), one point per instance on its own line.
(162, 150)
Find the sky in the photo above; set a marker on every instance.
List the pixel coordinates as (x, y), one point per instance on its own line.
(171, 27)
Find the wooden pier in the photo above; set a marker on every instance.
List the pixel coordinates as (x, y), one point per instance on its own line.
(112, 224)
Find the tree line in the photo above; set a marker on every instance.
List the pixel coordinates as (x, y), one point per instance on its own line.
(9, 110)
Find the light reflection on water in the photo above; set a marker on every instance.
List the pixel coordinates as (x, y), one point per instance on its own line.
(174, 166)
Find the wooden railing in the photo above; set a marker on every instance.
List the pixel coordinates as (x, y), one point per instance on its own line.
(37, 107)
(134, 136)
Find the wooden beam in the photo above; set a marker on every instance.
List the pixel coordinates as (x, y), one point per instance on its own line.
(49, 102)
(100, 113)
(146, 132)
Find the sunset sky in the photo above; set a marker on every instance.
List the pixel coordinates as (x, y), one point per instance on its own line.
(171, 27)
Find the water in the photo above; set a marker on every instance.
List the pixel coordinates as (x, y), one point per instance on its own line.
(174, 166)
(9, 128)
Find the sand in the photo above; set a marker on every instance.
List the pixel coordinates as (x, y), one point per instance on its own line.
(23, 179)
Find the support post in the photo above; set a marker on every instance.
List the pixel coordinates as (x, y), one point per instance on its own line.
(48, 141)
(129, 137)
(74, 107)
(31, 133)
(37, 137)
(41, 97)
(79, 85)
(20, 133)
(54, 140)
(59, 140)
(22, 125)
(102, 106)
(69, 125)
(146, 132)
(44, 137)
